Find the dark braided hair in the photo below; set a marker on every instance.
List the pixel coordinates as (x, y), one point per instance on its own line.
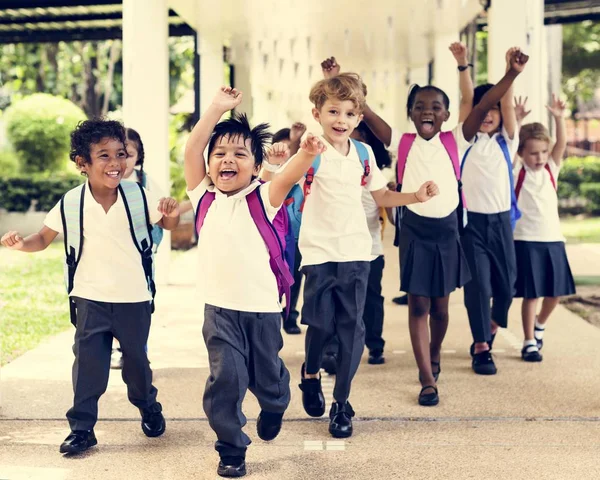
(412, 95)
(134, 136)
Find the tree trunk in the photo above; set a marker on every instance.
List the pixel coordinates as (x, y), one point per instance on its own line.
(115, 52)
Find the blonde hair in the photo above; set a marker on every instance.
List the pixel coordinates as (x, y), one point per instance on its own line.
(533, 131)
(345, 86)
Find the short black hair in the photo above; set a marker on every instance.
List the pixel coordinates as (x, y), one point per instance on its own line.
(90, 132)
(237, 126)
(281, 135)
(480, 91)
(412, 95)
(134, 136)
(382, 156)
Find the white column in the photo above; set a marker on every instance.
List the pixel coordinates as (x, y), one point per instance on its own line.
(445, 74)
(212, 69)
(520, 23)
(146, 94)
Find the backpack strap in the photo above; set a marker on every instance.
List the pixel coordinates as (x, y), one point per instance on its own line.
(138, 215)
(521, 179)
(202, 209)
(267, 231)
(71, 211)
(309, 177)
(404, 147)
(363, 155)
(552, 179)
(515, 213)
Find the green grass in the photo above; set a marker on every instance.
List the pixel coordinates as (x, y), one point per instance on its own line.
(33, 300)
(581, 230)
(592, 281)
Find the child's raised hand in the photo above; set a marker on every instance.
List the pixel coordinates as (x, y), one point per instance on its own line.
(313, 145)
(516, 59)
(557, 107)
(168, 207)
(227, 98)
(460, 52)
(521, 108)
(12, 240)
(330, 67)
(427, 191)
(278, 153)
(297, 131)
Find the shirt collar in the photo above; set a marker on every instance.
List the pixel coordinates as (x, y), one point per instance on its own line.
(242, 193)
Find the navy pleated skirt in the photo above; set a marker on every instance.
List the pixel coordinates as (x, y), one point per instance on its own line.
(432, 261)
(543, 270)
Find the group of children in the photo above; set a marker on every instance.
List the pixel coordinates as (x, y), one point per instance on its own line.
(457, 202)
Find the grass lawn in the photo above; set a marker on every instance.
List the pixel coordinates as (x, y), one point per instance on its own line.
(33, 299)
(582, 230)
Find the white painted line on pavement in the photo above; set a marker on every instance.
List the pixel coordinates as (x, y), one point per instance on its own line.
(448, 351)
(337, 445)
(399, 352)
(313, 445)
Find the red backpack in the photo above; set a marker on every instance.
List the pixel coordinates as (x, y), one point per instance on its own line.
(521, 179)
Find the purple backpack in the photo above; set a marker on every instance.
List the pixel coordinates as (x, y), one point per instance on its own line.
(273, 235)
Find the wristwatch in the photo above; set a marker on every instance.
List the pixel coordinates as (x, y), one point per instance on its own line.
(462, 68)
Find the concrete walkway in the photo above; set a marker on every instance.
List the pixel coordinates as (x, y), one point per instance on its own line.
(529, 421)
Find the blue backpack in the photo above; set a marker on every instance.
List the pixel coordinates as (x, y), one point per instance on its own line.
(515, 213)
(71, 210)
(157, 232)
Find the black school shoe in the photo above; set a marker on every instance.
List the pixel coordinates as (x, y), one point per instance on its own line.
(153, 422)
(313, 399)
(268, 425)
(232, 467)
(78, 441)
(340, 423)
(430, 399)
(483, 363)
(376, 357)
(531, 353)
(490, 344)
(401, 300)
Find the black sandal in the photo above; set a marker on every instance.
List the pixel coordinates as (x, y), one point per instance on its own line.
(429, 399)
(436, 375)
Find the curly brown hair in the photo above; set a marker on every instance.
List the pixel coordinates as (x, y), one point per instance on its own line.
(345, 86)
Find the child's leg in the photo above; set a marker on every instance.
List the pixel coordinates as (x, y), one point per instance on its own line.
(132, 327)
(373, 316)
(548, 306)
(438, 324)
(349, 298)
(92, 348)
(418, 311)
(295, 293)
(228, 381)
(503, 275)
(269, 378)
(528, 310)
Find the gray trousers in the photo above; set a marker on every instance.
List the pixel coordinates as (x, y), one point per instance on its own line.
(334, 302)
(243, 352)
(97, 324)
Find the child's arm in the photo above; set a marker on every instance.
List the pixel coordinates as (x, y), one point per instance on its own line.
(378, 126)
(521, 110)
(473, 122)
(298, 165)
(509, 117)
(296, 133)
(226, 99)
(461, 54)
(389, 211)
(330, 67)
(386, 198)
(557, 109)
(33, 243)
(170, 213)
(277, 155)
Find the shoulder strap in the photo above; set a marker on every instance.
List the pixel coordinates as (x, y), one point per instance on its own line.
(520, 180)
(267, 231)
(404, 147)
(309, 177)
(202, 209)
(449, 143)
(547, 167)
(462, 164)
(515, 213)
(363, 155)
(144, 179)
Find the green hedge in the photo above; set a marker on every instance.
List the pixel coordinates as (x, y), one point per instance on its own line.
(591, 191)
(580, 180)
(17, 193)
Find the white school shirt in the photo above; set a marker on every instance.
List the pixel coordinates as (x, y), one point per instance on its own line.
(151, 185)
(334, 225)
(429, 160)
(372, 212)
(485, 174)
(538, 203)
(233, 258)
(110, 268)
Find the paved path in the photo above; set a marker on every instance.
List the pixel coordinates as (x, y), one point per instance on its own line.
(529, 421)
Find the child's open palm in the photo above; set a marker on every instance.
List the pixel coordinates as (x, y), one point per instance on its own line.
(330, 67)
(227, 98)
(557, 107)
(168, 207)
(427, 191)
(12, 240)
(278, 153)
(313, 145)
(521, 109)
(460, 52)
(516, 59)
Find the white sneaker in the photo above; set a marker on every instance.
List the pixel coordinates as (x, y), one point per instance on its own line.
(116, 359)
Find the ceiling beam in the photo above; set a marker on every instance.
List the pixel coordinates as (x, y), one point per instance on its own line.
(66, 18)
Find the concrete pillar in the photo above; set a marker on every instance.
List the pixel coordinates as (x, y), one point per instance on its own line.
(146, 94)
(520, 23)
(212, 68)
(554, 44)
(445, 74)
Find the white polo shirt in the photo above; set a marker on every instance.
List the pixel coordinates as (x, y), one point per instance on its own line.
(110, 269)
(428, 160)
(485, 174)
(538, 203)
(334, 225)
(233, 258)
(372, 212)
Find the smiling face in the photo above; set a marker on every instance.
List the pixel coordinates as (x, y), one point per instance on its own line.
(492, 121)
(231, 165)
(131, 159)
(108, 161)
(428, 113)
(338, 118)
(535, 153)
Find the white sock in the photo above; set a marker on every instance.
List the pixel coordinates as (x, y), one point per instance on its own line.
(530, 346)
(538, 332)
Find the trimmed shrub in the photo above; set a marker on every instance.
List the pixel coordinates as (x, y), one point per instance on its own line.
(17, 193)
(39, 128)
(591, 192)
